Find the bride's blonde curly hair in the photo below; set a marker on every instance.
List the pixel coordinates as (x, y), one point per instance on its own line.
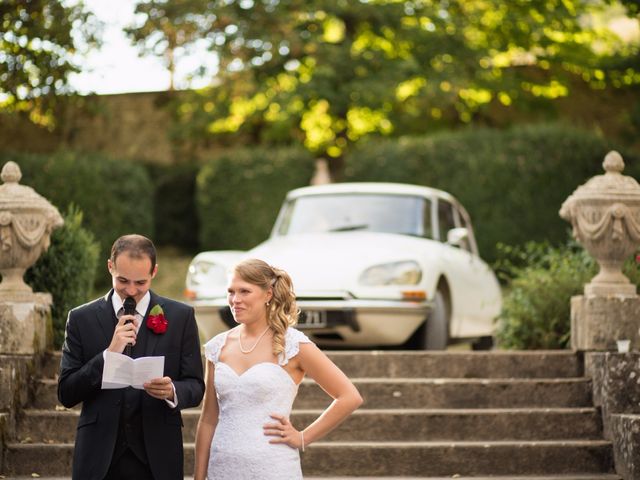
(282, 310)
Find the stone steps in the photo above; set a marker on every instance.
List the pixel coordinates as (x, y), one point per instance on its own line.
(447, 364)
(504, 415)
(426, 393)
(42, 426)
(388, 458)
(603, 476)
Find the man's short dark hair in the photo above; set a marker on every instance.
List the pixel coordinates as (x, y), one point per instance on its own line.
(136, 246)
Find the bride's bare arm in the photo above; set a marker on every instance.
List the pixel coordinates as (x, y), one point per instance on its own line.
(346, 398)
(332, 380)
(206, 425)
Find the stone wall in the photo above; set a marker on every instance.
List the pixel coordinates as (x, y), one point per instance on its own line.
(133, 126)
(139, 125)
(616, 390)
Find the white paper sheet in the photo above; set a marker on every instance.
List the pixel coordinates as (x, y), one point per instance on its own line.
(121, 371)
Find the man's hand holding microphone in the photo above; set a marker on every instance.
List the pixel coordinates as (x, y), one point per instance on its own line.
(124, 336)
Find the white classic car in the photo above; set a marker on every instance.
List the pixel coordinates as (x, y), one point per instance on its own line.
(373, 264)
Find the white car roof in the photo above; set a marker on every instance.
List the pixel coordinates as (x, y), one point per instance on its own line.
(370, 187)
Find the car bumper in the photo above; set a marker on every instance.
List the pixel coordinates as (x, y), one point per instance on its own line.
(335, 322)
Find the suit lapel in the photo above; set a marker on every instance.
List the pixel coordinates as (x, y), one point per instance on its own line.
(151, 338)
(106, 317)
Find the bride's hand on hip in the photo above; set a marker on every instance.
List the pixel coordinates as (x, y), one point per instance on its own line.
(283, 431)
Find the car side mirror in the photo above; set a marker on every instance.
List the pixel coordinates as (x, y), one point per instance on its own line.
(457, 236)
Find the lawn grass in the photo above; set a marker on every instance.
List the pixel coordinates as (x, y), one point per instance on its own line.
(172, 271)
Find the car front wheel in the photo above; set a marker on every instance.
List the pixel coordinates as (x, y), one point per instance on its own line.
(436, 328)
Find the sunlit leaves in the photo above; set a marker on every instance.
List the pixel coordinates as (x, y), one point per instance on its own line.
(318, 124)
(553, 89)
(362, 121)
(475, 97)
(335, 71)
(409, 88)
(334, 30)
(36, 47)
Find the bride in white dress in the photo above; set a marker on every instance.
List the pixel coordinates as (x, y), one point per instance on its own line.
(252, 377)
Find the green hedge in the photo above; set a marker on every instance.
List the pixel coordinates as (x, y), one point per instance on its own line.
(512, 182)
(66, 270)
(540, 281)
(116, 197)
(239, 194)
(174, 206)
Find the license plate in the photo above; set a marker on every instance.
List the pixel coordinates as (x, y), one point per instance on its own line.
(312, 319)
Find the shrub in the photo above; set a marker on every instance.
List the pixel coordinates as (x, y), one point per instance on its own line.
(174, 206)
(115, 196)
(66, 270)
(541, 280)
(239, 194)
(512, 182)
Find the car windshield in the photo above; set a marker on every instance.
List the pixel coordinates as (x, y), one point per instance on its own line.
(402, 214)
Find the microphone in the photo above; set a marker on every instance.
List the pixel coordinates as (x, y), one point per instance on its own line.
(129, 306)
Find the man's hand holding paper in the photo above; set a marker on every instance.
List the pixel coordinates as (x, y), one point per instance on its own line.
(121, 371)
(160, 388)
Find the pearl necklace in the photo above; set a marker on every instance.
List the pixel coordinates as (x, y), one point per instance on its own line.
(254, 345)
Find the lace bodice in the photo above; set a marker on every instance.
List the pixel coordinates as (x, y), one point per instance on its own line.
(240, 450)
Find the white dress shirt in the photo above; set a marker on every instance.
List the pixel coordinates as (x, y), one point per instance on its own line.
(141, 307)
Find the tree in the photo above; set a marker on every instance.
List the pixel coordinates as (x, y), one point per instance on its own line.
(167, 27)
(38, 39)
(329, 72)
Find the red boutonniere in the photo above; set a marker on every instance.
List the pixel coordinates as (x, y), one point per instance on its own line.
(156, 320)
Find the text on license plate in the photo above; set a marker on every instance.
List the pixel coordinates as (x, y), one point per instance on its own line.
(312, 319)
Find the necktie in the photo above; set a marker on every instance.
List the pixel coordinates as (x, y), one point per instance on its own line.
(137, 315)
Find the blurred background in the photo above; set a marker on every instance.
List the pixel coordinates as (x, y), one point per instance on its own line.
(189, 120)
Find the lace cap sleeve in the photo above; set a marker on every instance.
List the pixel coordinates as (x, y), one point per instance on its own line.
(292, 340)
(212, 347)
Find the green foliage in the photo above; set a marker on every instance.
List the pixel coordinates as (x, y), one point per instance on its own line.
(541, 281)
(512, 182)
(239, 194)
(333, 72)
(116, 197)
(66, 270)
(175, 213)
(632, 6)
(37, 42)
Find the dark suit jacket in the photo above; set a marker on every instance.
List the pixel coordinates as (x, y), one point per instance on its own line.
(89, 332)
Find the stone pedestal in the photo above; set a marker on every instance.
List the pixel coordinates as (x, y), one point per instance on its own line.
(25, 327)
(597, 322)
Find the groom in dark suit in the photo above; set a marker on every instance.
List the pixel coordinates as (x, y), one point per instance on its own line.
(130, 433)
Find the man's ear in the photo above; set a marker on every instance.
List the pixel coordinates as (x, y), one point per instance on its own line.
(155, 270)
(110, 266)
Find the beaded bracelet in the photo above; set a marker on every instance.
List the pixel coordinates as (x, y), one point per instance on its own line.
(302, 440)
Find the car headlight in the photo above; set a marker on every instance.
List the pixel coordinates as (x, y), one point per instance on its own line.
(206, 274)
(397, 273)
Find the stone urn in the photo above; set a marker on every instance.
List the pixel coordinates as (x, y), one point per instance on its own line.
(605, 215)
(26, 222)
